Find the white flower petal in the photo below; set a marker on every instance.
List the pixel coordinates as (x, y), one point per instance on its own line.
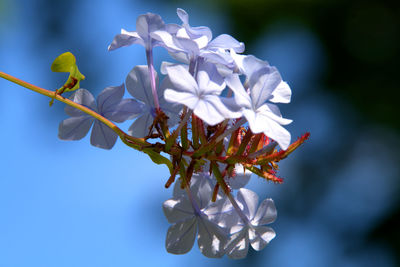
(109, 98)
(238, 245)
(166, 64)
(127, 109)
(209, 109)
(250, 116)
(180, 236)
(265, 83)
(242, 98)
(281, 94)
(74, 128)
(172, 110)
(125, 39)
(250, 65)
(185, 98)
(260, 236)
(178, 192)
(176, 210)
(241, 178)
(166, 40)
(180, 56)
(209, 80)
(231, 109)
(139, 86)
(226, 41)
(182, 80)
(273, 129)
(238, 60)
(84, 98)
(189, 46)
(147, 23)
(266, 213)
(223, 213)
(264, 120)
(102, 136)
(211, 239)
(201, 190)
(249, 200)
(193, 31)
(222, 58)
(183, 15)
(140, 127)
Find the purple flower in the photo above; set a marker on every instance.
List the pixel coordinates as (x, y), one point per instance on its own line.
(264, 85)
(138, 85)
(200, 95)
(251, 229)
(145, 25)
(195, 214)
(187, 43)
(109, 104)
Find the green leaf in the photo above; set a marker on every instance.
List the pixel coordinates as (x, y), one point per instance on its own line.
(66, 62)
(159, 159)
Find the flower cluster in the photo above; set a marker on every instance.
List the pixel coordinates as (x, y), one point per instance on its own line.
(213, 120)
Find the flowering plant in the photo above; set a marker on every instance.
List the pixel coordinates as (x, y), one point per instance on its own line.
(212, 121)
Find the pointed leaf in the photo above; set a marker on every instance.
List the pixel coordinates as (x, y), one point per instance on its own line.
(64, 62)
(159, 159)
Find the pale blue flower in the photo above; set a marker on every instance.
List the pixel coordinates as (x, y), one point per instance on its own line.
(251, 229)
(188, 43)
(264, 85)
(195, 214)
(200, 95)
(138, 85)
(145, 25)
(109, 104)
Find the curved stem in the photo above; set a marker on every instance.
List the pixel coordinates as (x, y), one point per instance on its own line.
(138, 143)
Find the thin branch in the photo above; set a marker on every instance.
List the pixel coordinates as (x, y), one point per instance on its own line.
(138, 143)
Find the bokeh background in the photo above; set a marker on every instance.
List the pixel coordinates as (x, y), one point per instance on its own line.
(71, 204)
